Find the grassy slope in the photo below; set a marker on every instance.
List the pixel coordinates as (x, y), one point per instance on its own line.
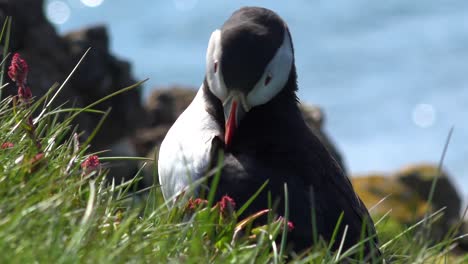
(54, 211)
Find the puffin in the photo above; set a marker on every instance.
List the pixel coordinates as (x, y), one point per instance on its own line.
(248, 110)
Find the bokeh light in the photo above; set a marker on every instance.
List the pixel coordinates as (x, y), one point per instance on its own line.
(92, 3)
(58, 12)
(424, 115)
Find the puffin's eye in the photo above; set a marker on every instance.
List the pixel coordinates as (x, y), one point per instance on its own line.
(268, 79)
(215, 67)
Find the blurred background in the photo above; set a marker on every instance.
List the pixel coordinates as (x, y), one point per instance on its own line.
(391, 77)
(381, 85)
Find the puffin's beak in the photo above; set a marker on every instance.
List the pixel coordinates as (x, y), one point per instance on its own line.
(235, 108)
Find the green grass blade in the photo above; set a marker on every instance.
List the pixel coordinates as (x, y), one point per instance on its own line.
(64, 83)
(97, 128)
(126, 158)
(439, 170)
(340, 248)
(5, 24)
(412, 228)
(123, 90)
(216, 179)
(335, 232)
(252, 198)
(284, 236)
(6, 44)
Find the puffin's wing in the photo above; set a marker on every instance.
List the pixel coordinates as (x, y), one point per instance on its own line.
(334, 195)
(185, 153)
(331, 192)
(339, 197)
(243, 174)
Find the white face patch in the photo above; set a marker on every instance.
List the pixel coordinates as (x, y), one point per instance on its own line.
(213, 66)
(275, 76)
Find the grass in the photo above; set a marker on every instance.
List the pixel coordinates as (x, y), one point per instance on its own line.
(52, 210)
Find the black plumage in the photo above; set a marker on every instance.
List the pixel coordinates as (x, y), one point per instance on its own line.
(250, 89)
(274, 143)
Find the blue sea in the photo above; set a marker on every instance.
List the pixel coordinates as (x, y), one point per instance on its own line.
(392, 76)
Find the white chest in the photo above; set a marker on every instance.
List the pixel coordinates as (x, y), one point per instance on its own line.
(184, 155)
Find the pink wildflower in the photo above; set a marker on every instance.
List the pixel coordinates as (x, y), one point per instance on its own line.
(7, 145)
(24, 92)
(290, 224)
(194, 204)
(18, 70)
(38, 157)
(227, 203)
(91, 163)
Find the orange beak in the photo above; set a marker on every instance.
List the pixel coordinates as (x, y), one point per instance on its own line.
(231, 124)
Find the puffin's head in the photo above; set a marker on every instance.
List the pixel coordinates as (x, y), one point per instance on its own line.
(248, 62)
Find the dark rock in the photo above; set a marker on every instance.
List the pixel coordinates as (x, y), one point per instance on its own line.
(149, 138)
(420, 177)
(26, 14)
(99, 75)
(313, 115)
(408, 192)
(385, 194)
(163, 107)
(51, 59)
